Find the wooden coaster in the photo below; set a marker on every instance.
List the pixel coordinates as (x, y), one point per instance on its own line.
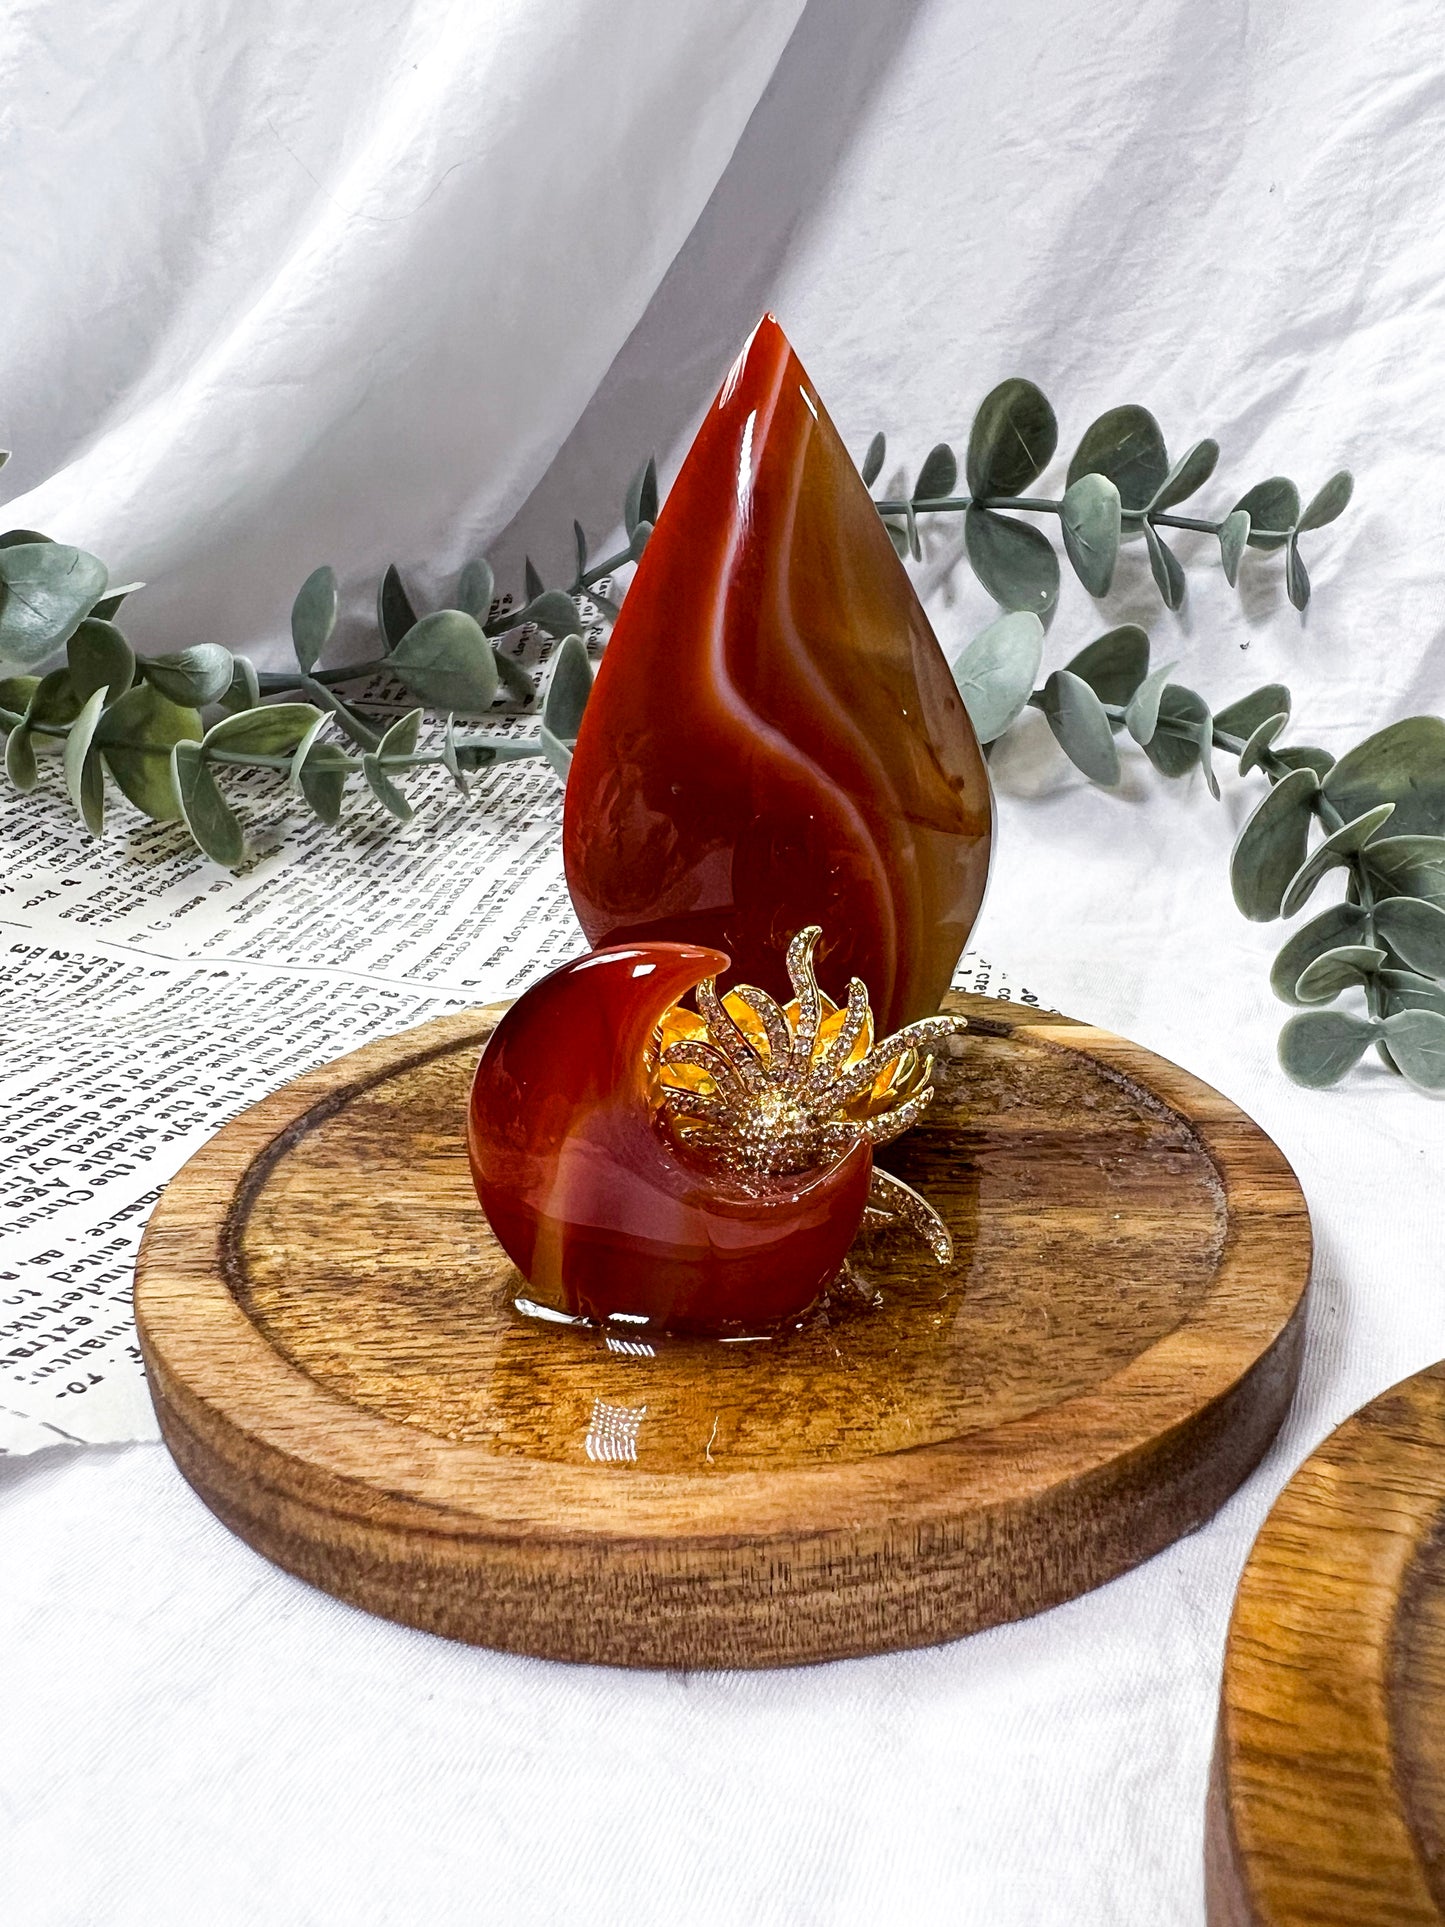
(337, 1368)
(1327, 1801)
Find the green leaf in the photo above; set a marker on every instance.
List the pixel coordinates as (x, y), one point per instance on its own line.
(1317, 1048)
(105, 610)
(531, 579)
(245, 689)
(579, 537)
(20, 759)
(55, 699)
(303, 750)
(1141, 718)
(1188, 475)
(313, 616)
(1181, 733)
(16, 691)
(1012, 440)
(1417, 1043)
(638, 541)
(568, 687)
(1307, 756)
(1336, 970)
(1090, 518)
(1272, 846)
(995, 673)
(1403, 764)
(446, 661)
(1014, 561)
(1273, 510)
(937, 475)
(1342, 925)
(399, 740)
(1415, 931)
(1332, 500)
(1409, 866)
(46, 588)
(199, 675)
(1242, 718)
(137, 734)
(1252, 755)
(1336, 849)
(553, 610)
(1126, 445)
(1296, 575)
(1406, 990)
(516, 679)
(640, 504)
(12, 538)
(873, 461)
(1115, 664)
(99, 657)
(84, 777)
(205, 812)
(322, 779)
(1076, 716)
(558, 755)
(476, 588)
(394, 613)
(1233, 538)
(275, 729)
(1165, 568)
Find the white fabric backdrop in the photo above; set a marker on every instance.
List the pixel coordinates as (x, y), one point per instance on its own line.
(1234, 217)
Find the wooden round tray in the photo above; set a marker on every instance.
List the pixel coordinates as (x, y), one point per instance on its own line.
(1327, 1801)
(337, 1367)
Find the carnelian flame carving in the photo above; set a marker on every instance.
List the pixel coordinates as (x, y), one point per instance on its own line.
(602, 1206)
(774, 738)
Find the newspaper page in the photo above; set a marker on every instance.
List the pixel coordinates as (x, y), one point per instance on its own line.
(147, 996)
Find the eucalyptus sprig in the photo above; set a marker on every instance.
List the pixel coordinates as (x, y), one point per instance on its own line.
(1381, 808)
(1121, 485)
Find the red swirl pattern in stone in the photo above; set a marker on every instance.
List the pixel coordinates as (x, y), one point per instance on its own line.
(774, 738)
(600, 1208)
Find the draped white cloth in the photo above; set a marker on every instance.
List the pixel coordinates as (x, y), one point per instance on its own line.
(1229, 214)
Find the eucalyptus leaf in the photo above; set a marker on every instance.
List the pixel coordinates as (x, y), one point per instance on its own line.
(1403, 764)
(303, 751)
(245, 689)
(1012, 440)
(1409, 866)
(1141, 718)
(1273, 510)
(16, 691)
(1407, 990)
(1233, 539)
(1415, 931)
(1336, 970)
(322, 779)
(55, 699)
(995, 674)
(873, 461)
(558, 755)
(1180, 733)
(205, 811)
(640, 504)
(275, 729)
(515, 676)
(1188, 475)
(1165, 567)
(1126, 445)
(1296, 575)
(1306, 756)
(1272, 846)
(1330, 501)
(553, 611)
(355, 726)
(1243, 717)
(937, 475)
(579, 539)
(1336, 849)
(568, 688)
(1076, 716)
(46, 588)
(1014, 561)
(12, 538)
(394, 612)
(1252, 755)
(476, 590)
(1090, 520)
(384, 789)
(84, 776)
(1342, 926)
(202, 674)
(99, 657)
(1417, 1043)
(1115, 664)
(313, 616)
(108, 606)
(20, 765)
(136, 735)
(639, 540)
(447, 661)
(1318, 1047)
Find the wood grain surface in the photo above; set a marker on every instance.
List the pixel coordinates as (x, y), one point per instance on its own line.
(337, 1367)
(1327, 1802)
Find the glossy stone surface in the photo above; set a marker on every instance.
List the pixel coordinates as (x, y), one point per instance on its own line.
(595, 1202)
(774, 738)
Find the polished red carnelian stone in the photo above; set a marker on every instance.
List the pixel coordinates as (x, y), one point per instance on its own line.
(592, 1198)
(774, 738)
